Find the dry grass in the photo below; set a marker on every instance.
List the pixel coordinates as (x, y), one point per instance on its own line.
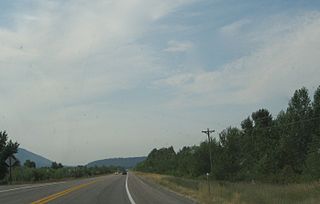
(239, 193)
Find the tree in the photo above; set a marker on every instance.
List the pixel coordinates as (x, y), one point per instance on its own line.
(228, 165)
(262, 136)
(312, 168)
(262, 118)
(60, 166)
(186, 161)
(316, 109)
(248, 140)
(29, 164)
(160, 161)
(247, 125)
(203, 158)
(299, 133)
(55, 165)
(7, 148)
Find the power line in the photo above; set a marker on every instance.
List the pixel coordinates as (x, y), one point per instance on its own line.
(290, 123)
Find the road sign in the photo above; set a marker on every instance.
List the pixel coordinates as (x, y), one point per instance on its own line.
(10, 161)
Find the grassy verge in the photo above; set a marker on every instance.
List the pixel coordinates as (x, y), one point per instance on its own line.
(227, 192)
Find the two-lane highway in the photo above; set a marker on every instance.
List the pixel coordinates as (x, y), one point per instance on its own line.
(116, 189)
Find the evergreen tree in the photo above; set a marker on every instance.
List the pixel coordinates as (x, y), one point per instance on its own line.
(300, 129)
(312, 168)
(7, 148)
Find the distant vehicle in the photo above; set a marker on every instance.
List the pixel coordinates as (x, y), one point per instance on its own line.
(124, 173)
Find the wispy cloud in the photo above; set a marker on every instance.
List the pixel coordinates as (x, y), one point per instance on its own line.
(78, 56)
(175, 46)
(234, 27)
(287, 62)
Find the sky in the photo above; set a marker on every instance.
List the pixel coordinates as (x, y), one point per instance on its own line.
(86, 80)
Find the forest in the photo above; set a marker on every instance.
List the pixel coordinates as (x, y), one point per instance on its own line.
(280, 149)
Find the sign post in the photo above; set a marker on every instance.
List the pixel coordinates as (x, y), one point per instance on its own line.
(208, 183)
(10, 161)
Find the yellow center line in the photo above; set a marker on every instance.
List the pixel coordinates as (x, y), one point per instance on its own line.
(62, 193)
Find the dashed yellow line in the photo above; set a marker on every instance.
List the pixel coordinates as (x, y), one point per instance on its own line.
(62, 193)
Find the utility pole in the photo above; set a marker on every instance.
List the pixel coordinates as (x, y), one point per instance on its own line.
(208, 132)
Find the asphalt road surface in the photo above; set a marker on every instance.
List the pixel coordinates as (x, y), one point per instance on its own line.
(115, 189)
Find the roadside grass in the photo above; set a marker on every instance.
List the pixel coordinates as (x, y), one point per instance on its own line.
(239, 193)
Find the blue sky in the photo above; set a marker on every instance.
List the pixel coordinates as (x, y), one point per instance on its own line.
(85, 80)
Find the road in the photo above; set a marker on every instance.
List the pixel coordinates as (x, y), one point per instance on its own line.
(115, 189)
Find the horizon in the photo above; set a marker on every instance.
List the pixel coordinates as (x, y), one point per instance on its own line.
(84, 164)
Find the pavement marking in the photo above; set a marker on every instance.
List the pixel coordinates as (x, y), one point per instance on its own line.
(128, 192)
(31, 186)
(62, 193)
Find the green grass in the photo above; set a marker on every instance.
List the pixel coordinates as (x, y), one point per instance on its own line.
(227, 192)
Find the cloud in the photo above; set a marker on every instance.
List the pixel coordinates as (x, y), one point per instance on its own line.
(284, 63)
(234, 27)
(67, 57)
(177, 80)
(174, 46)
(59, 59)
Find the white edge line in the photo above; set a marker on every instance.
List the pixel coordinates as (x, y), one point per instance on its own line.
(128, 192)
(33, 186)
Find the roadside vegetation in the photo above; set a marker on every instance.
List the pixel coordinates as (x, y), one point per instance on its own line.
(7, 149)
(27, 172)
(265, 160)
(222, 192)
(22, 174)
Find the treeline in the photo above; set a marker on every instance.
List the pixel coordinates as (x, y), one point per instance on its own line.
(280, 149)
(28, 172)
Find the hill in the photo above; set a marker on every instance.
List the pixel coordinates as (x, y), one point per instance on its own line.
(24, 155)
(123, 162)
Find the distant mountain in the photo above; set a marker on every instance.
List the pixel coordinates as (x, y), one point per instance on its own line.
(24, 155)
(123, 162)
